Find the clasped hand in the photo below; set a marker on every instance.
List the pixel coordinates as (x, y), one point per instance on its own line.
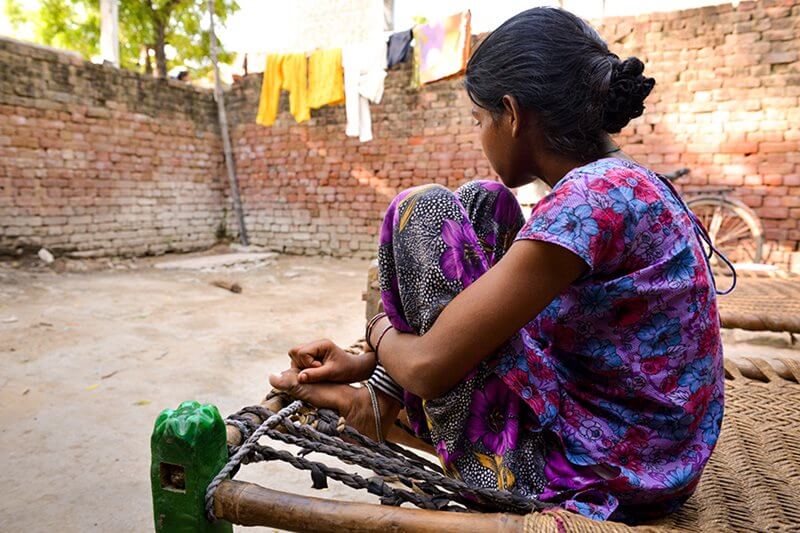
(320, 374)
(323, 361)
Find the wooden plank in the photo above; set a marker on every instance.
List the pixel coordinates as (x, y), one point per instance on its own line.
(252, 505)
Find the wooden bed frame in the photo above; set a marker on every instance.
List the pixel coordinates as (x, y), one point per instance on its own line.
(181, 470)
(190, 447)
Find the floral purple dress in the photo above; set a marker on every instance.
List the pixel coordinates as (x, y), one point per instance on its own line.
(610, 401)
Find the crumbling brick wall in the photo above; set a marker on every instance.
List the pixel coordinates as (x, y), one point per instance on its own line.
(726, 105)
(100, 161)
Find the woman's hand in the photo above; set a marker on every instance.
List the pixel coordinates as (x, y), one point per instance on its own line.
(322, 360)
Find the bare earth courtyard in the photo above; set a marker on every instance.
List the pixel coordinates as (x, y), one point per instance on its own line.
(90, 358)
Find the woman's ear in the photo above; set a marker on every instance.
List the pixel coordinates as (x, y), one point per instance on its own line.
(514, 113)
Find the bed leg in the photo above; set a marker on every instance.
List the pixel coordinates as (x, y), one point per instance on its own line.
(188, 449)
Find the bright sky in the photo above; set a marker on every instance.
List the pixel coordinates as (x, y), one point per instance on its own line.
(264, 24)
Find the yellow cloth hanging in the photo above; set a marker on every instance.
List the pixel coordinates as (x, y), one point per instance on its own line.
(325, 78)
(295, 80)
(270, 91)
(288, 72)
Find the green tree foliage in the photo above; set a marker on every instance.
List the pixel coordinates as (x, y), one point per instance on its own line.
(147, 29)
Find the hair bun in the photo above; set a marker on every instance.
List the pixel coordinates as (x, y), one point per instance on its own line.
(627, 91)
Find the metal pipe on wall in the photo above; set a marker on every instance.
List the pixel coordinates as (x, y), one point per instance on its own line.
(223, 126)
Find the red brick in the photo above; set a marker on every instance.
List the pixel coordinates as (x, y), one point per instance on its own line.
(725, 104)
(769, 147)
(774, 212)
(739, 147)
(780, 57)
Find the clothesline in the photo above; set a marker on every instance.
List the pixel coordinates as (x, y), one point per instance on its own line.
(355, 74)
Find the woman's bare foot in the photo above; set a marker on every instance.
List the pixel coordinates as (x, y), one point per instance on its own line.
(354, 404)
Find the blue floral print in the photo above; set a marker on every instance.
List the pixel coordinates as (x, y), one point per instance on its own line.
(679, 477)
(710, 425)
(634, 345)
(696, 374)
(575, 223)
(603, 352)
(659, 335)
(681, 266)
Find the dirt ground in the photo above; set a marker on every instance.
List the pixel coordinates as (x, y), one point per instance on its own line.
(90, 358)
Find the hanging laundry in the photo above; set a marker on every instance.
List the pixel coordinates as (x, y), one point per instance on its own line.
(399, 48)
(325, 78)
(270, 91)
(443, 47)
(416, 58)
(288, 72)
(295, 80)
(364, 74)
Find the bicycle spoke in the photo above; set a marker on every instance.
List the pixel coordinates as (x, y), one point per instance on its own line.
(728, 236)
(716, 222)
(732, 228)
(733, 220)
(705, 218)
(747, 249)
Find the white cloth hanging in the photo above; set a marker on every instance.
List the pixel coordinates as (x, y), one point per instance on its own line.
(364, 74)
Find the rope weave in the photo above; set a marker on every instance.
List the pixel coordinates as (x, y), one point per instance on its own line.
(327, 419)
(383, 466)
(242, 452)
(429, 487)
(374, 485)
(752, 482)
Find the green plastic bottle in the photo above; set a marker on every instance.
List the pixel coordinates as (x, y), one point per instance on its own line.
(188, 449)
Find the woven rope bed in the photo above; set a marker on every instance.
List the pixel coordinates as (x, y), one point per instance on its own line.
(752, 482)
(762, 304)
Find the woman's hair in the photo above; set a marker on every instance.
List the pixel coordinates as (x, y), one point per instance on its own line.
(555, 63)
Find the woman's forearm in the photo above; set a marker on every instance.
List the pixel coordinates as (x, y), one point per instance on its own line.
(404, 357)
(479, 320)
(431, 364)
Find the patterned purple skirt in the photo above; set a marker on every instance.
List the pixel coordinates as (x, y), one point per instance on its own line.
(434, 243)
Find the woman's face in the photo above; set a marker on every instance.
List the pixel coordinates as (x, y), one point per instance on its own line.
(506, 153)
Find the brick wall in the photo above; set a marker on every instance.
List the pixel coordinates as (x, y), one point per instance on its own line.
(309, 189)
(726, 105)
(100, 161)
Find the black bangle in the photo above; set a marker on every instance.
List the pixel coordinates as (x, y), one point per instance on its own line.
(378, 344)
(371, 324)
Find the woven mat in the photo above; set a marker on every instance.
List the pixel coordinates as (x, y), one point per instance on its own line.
(751, 483)
(761, 304)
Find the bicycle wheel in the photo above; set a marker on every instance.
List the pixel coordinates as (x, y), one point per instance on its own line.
(734, 228)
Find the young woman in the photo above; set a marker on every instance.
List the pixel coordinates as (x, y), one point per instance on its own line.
(574, 357)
